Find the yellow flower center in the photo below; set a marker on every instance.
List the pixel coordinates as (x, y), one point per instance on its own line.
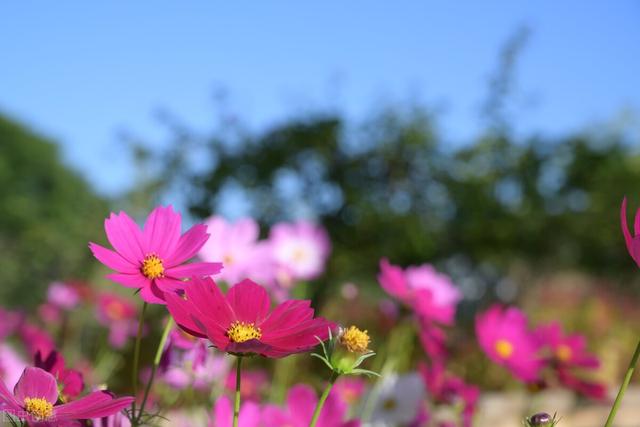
(564, 353)
(39, 408)
(241, 332)
(504, 348)
(152, 267)
(355, 340)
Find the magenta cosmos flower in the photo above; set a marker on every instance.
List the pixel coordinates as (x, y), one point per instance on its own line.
(222, 414)
(632, 241)
(301, 403)
(240, 322)
(504, 336)
(152, 259)
(35, 399)
(567, 354)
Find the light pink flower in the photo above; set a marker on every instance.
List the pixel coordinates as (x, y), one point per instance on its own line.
(153, 259)
(300, 250)
(252, 384)
(119, 315)
(234, 244)
(196, 367)
(115, 420)
(504, 336)
(63, 295)
(11, 365)
(242, 321)
(301, 403)
(10, 322)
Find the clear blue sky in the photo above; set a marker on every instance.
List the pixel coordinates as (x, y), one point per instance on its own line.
(81, 71)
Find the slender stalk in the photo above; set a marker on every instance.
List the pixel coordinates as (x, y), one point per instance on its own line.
(623, 387)
(136, 358)
(156, 363)
(236, 403)
(323, 398)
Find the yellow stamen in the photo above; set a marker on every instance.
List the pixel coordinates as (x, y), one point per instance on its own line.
(504, 348)
(39, 408)
(152, 267)
(241, 332)
(355, 340)
(564, 353)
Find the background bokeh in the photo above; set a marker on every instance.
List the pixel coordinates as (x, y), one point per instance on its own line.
(494, 140)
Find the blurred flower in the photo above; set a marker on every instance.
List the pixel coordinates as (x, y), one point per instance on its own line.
(632, 241)
(49, 313)
(70, 381)
(300, 250)
(9, 322)
(234, 244)
(252, 383)
(349, 291)
(240, 322)
(504, 336)
(115, 420)
(182, 340)
(153, 259)
(398, 401)
(196, 367)
(431, 295)
(568, 353)
(62, 295)
(222, 415)
(119, 315)
(11, 365)
(300, 405)
(35, 399)
(450, 390)
(35, 339)
(350, 389)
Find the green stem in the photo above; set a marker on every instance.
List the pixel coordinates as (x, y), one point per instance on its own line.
(136, 357)
(236, 403)
(156, 363)
(623, 387)
(323, 398)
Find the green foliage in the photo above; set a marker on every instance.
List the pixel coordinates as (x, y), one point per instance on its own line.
(47, 215)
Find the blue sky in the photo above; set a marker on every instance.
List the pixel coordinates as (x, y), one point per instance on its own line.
(82, 71)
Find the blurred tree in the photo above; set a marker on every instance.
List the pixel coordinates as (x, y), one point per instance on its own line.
(48, 213)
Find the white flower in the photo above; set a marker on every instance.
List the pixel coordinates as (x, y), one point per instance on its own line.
(398, 400)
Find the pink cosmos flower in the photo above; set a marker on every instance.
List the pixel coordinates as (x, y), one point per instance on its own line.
(62, 296)
(119, 315)
(240, 322)
(35, 399)
(153, 259)
(632, 241)
(196, 367)
(115, 420)
(431, 296)
(70, 381)
(450, 390)
(222, 415)
(568, 353)
(300, 250)
(301, 403)
(11, 365)
(234, 244)
(252, 383)
(504, 336)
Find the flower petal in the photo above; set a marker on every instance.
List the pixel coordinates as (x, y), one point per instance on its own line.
(188, 245)
(152, 294)
(208, 300)
(36, 383)
(180, 310)
(8, 400)
(249, 301)
(162, 231)
(288, 313)
(130, 280)
(112, 259)
(125, 236)
(200, 269)
(94, 405)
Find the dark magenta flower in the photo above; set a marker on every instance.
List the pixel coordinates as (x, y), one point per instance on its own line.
(566, 355)
(632, 241)
(241, 321)
(35, 399)
(70, 381)
(504, 336)
(152, 259)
